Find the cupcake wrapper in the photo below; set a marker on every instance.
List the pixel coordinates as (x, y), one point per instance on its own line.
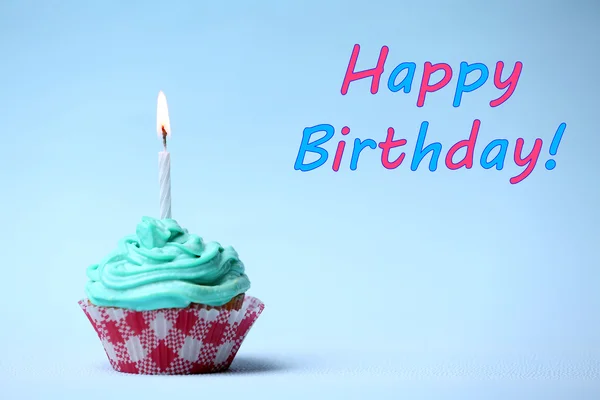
(193, 340)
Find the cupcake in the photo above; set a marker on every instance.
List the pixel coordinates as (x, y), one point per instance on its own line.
(166, 302)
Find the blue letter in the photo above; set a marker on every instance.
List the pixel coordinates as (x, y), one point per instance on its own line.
(421, 152)
(408, 79)
(313, 147)
(461, 87)
(498, 161)
(358, 147)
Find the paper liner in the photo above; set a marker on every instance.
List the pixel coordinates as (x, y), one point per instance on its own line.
(193, 340)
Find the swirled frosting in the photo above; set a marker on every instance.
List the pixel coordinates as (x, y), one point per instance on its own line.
(164, 266)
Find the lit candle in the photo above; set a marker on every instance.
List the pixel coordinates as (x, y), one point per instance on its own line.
(163, 128)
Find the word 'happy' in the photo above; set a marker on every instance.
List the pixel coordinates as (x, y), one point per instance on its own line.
(499, 147)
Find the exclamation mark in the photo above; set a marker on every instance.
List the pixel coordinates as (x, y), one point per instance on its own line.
(550, 164)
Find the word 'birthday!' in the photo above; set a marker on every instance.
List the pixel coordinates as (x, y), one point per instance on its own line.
(493, 155)
(401, 78)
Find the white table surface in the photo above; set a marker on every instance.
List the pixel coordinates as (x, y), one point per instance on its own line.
(378, 374)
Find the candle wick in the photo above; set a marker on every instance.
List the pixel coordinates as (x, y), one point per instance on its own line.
(164, 136)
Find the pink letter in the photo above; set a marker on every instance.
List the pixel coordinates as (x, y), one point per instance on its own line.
(529, 160)
(375, 73)
(510, 83)
(427, 72)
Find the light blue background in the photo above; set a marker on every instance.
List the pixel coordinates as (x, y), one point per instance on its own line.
(378, 284)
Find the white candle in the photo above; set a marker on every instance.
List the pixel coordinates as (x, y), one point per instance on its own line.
(164, 178)
(163, 128)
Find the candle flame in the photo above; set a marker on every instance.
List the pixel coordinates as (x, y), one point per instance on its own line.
(162, 116)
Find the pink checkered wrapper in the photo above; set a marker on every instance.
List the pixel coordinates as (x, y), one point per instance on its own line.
(193, 340)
